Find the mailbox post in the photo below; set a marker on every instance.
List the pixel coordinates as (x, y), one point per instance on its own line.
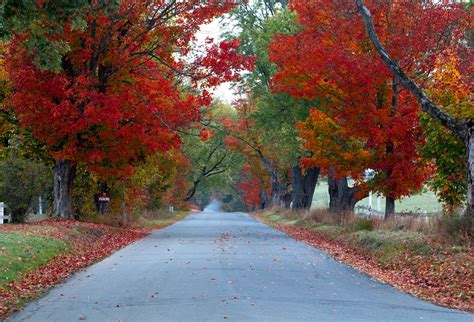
(102, 203)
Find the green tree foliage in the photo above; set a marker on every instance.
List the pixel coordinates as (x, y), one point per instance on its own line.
(213, 168)
(32, 16)
(160, 179)
(22, 180)
(277, 113)
(446, 149)
(449, 152)
(273, 114)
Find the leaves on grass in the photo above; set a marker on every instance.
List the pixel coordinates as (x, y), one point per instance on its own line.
(444, 278)
(88, 242)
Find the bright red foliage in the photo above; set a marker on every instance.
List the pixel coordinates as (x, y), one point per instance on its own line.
(365, 119)
(252, 187)
(119, 96)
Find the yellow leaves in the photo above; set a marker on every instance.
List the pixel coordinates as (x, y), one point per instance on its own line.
(5, 87)
(446, 70)
(450, 89)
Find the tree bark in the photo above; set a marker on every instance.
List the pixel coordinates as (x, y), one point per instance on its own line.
(389, 207)
(470, 173)
(278, 192)
(303, 186)
(264, 199)
(123, 211)
(64, 174)
(341, 196)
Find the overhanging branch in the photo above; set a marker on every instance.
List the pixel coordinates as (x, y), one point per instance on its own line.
(457, 126)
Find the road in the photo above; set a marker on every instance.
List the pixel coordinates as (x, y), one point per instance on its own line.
(217, 266)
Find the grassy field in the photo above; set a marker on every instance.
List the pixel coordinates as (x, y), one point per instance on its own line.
(424, 202)
(20, 253)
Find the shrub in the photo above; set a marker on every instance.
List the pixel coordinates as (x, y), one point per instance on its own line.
(21, 180)
(457, 229)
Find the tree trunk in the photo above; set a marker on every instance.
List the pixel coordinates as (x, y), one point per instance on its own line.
(123, 212)
(303, 186)
(297, 193)
(263, 199)
(341, 196)
(275, 190)
(470, 172)
(278, 191)
(64, 174)
(389, 207)
(277, 195)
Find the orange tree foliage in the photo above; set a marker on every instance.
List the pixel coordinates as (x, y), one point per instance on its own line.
(118, 97)
(366, 119)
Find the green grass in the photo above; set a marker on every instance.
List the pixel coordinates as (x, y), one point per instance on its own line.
(332, 231)
(425, 201)
(20, 254)
(276, 218)
(387, 245)
(163, 219)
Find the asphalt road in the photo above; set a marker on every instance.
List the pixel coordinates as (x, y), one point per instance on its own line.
(219, 266)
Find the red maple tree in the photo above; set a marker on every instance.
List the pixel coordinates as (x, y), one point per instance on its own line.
(365, 119)
(119, 96)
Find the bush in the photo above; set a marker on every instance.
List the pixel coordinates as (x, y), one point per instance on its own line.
(85, 185)
(21, 180)
(457, 229)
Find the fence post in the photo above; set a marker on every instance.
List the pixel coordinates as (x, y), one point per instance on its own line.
(40, 205)
(2, 212)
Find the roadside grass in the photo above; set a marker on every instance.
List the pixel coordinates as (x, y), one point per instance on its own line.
(26, 247)
(160, 219)
(400, 233)
(143, 219)
(430, 259)
(20, 254)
